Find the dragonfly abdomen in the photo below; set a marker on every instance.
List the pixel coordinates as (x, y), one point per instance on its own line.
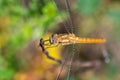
(90, 40)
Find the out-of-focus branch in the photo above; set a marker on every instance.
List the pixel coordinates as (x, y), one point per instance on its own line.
(86, 64)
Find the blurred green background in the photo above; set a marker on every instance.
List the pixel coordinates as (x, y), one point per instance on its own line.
(22, 22)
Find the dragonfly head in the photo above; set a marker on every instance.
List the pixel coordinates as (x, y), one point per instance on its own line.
(41, 42)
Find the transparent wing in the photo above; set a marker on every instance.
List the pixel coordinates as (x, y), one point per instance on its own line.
(69, 27)
(64, 6)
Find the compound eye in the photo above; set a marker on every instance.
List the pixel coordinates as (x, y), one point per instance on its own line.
(53, 39)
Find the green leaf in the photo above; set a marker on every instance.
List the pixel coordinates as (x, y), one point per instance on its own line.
(114, 14)
(88, 7)
(19, 10)
(50, 10)
(5, 72)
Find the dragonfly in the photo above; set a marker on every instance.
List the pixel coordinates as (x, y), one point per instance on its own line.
(66, 39)
(69, 38)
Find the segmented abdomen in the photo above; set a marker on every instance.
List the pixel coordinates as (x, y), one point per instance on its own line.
(90, 40)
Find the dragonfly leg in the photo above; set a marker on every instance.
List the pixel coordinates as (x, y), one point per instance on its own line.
(41, 44)
(52, 58)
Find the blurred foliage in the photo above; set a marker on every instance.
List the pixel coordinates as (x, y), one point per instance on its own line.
(21, 21)
(87, 7)
(5, 72)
